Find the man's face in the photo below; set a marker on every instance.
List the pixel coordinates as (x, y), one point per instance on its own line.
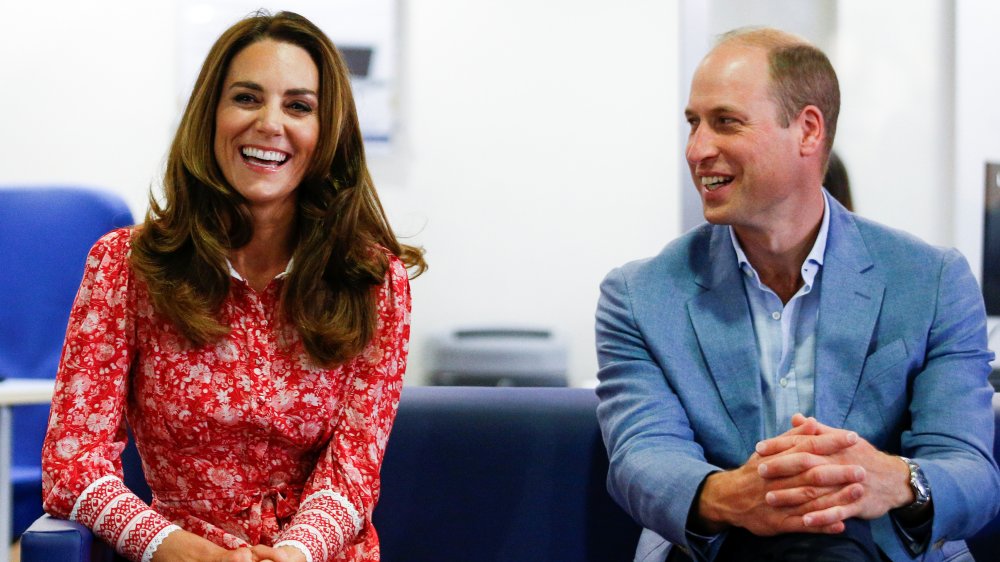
(745, 165)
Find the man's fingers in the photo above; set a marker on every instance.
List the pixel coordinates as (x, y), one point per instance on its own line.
(833, 508)
(792, 497)
(788, 465)
(827, 443)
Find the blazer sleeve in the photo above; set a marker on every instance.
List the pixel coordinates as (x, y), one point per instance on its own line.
(340, 494)
(81, 466)
(951, 434)
(656, 466)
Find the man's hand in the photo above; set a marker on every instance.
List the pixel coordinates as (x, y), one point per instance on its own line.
(739, 497)
(828, 475)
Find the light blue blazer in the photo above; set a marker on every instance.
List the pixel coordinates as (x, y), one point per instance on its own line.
(901, 358)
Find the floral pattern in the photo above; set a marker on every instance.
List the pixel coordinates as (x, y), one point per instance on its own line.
(245, 441)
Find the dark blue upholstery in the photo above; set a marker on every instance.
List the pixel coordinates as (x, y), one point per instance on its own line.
(481, 473)
(476, 474)
(985, 546)
(45, 235)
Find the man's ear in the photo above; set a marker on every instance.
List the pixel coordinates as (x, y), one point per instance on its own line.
(813, 130)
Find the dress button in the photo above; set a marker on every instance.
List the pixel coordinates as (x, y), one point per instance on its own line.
(776, 315)
(261, 399)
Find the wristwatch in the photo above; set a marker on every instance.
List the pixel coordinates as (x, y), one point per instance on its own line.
(920, 486)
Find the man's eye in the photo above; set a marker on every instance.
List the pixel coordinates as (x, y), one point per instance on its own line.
(727, 121)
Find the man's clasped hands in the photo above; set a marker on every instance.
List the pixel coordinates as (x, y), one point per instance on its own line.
(811, 479)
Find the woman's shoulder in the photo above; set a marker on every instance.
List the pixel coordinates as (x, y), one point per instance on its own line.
(395, 268)
(117, 241)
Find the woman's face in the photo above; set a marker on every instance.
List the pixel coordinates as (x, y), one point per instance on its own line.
(266, 123)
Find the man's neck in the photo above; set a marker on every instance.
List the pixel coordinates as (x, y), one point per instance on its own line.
(778, 251)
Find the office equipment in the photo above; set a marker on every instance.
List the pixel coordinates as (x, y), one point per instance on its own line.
(498, 357)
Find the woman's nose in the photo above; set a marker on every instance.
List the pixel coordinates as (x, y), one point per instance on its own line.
(269, 120)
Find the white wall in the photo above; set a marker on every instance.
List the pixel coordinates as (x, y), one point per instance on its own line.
(896, 130)
(539, 147)
(541, 143)
(977, 118)
(88, 92)
(542, 137)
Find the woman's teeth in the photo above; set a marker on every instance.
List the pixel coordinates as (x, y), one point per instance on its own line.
(269, 156)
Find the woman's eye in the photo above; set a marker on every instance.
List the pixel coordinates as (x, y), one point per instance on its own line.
(300, 107)
(244, 98)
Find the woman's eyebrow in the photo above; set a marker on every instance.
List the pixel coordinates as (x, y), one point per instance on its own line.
(258, 88)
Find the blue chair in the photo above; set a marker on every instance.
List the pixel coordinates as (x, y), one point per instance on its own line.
(469, 474)
(45, 234)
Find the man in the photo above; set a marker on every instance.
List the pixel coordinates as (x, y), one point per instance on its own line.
(789, 381)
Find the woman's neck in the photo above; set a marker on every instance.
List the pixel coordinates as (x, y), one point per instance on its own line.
(268, 252)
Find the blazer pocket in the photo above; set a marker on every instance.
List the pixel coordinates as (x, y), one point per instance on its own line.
(883, 391)
(879, 363)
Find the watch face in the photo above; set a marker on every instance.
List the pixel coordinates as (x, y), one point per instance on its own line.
(921, 488)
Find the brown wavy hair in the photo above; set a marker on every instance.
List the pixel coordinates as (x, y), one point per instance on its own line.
(180, 251)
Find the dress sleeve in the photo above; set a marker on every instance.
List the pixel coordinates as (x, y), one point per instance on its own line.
(340, 495)
(81, 465)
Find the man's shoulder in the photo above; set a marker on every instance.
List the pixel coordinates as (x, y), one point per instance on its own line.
(677, 261)
(890, 246)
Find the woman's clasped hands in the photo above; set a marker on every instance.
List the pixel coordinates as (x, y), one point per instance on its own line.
(262, 553)
(182, 546)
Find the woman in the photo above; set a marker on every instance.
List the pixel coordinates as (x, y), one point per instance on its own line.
(253, 331)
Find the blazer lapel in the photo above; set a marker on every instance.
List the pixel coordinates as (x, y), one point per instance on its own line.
(721, 320)
(849, 305)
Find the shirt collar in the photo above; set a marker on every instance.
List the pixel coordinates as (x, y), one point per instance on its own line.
(813, 261)
(236, 274)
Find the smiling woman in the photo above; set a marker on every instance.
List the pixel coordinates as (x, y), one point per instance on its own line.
(266, 125)
(257, 326)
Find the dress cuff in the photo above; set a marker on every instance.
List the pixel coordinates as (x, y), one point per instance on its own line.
(154, 544)
(120, 518)
(325, 523)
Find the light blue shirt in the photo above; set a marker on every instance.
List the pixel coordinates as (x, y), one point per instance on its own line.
(786, 335)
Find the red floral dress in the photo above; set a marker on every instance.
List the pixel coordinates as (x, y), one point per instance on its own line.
(243, 442)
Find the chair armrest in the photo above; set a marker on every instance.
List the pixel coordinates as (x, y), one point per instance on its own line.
(49, 539)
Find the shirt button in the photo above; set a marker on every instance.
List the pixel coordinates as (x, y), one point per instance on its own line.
(776, 315)
(261, 399)
(783, 382)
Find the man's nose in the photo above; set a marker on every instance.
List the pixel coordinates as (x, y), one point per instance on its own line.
(701, 145)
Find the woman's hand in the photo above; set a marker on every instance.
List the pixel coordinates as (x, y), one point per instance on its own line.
(182, 546)
(283, 554)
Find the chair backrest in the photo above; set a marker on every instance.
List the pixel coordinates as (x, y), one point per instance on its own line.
(986, 543)
(45, 235)
(482, 473)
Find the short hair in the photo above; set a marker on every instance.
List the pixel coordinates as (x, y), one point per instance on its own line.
(800, 75)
